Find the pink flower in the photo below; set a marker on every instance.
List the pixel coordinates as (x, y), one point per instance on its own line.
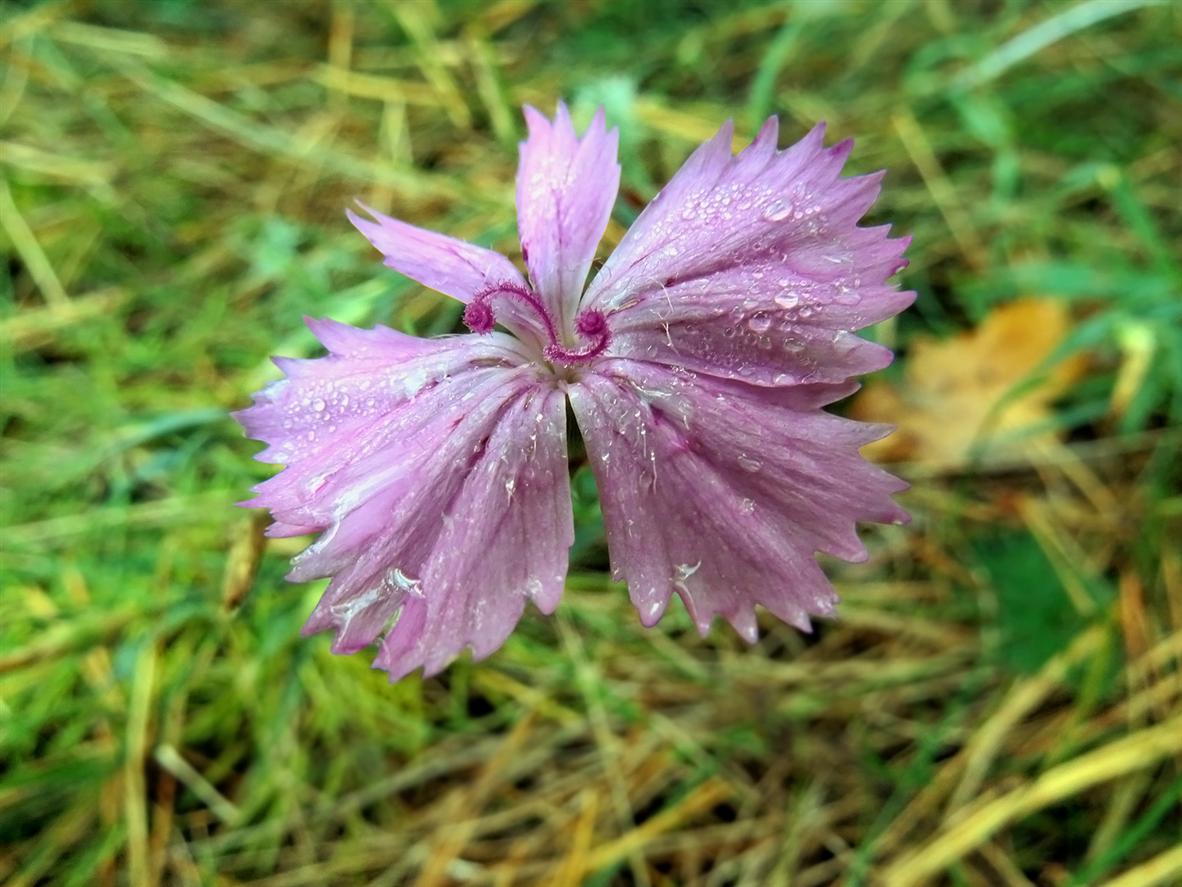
(697, 364)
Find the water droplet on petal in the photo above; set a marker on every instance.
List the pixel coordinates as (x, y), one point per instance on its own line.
(777, 211)
(404, 582)
(749, 464)
(760, 321)
(747, 506)
(844, 343)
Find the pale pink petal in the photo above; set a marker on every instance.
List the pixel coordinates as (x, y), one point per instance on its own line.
(505, 539)
(753, 267)
(565, 190)
(723, 491)
(437, 471)
(450, 266)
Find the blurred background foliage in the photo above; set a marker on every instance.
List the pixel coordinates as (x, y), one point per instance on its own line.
(1000, 702)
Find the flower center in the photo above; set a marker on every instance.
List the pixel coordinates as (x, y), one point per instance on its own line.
(591, 325)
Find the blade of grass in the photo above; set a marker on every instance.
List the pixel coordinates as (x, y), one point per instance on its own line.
(1137, 751)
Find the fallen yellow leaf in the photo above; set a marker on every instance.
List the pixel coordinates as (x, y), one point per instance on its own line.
(957, 398)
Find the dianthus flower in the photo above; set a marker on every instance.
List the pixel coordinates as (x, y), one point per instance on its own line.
(697, 363)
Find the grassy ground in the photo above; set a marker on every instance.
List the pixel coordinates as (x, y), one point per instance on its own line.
(1001, 701)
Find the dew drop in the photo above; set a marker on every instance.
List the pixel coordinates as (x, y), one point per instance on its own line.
(345, 611)
(777, 211)
(749, 464)
(404, 582)
(760, 322)
(747, 506)
(319, 405)
(844, 343)
(788, 299)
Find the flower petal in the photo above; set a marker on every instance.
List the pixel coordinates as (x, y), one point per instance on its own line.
(723, 491)
(437, 470)
(753, 267)
(450, 266)
(565, 190)
(505, 540)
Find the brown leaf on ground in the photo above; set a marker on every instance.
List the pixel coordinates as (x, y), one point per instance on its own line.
(957, 398)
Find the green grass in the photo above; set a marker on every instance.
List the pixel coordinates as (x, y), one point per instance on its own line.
(1001, 701)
